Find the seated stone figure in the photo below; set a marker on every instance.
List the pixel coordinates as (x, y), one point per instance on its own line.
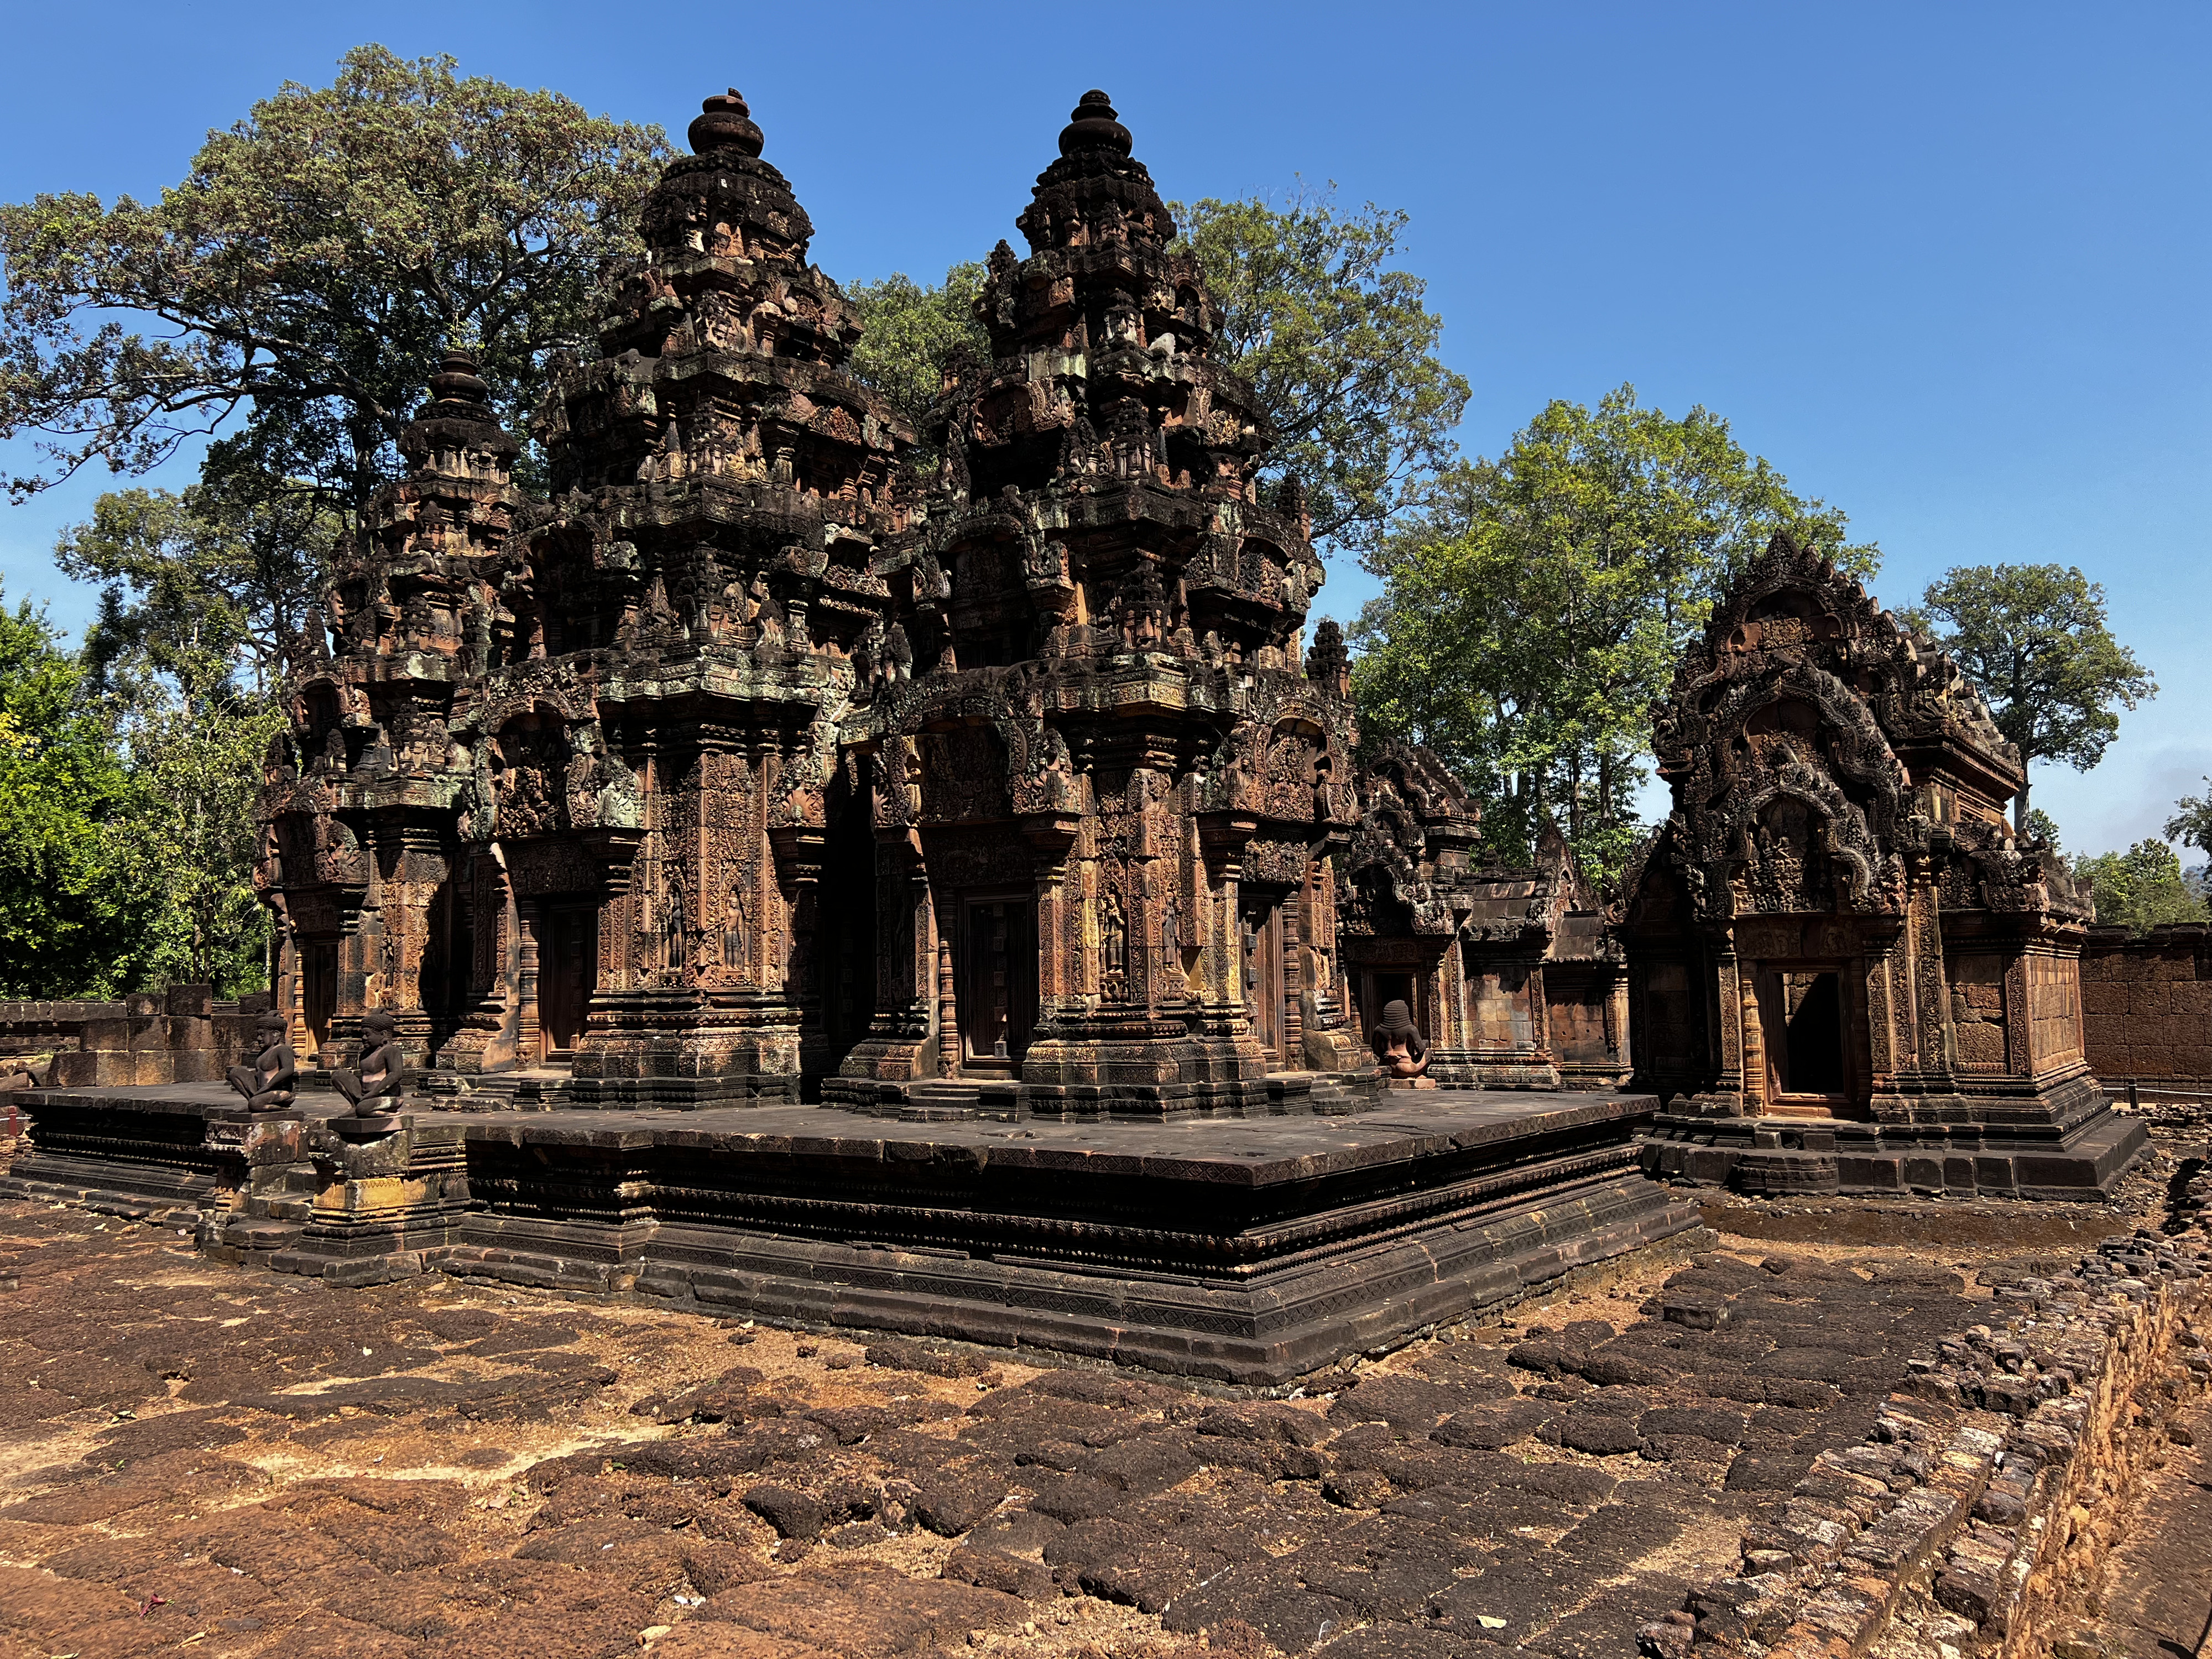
(1400, 1050)
(266, 1085)
(376, 1086)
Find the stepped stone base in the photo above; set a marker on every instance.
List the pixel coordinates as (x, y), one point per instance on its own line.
(1777, 1157)
(1251, 1248)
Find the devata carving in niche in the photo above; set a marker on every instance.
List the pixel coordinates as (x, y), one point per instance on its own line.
(1112, 945)
(737, 932)
(675, 951)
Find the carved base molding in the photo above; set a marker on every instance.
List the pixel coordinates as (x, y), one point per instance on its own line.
(1249, 1250)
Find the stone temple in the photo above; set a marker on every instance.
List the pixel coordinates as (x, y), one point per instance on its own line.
(749, 766)
(959, 900)
(1844, 972)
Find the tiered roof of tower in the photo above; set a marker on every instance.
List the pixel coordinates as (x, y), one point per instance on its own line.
(718, 464)
(1104, 412)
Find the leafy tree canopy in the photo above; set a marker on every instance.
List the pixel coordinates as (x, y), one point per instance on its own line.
(71, 922)
(202, 590)
(2140, 888)
(298, 287)
(202, 587)
(195, 771)
(909, 333)
(2191, 823)
(1538, 604)
(2032, 638)
(1340, 347)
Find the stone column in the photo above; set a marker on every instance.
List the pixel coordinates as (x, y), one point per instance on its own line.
(529, 1047)
(1723, 991)
(948, 1002)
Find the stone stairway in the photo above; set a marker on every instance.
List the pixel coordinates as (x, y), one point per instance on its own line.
(537, 1090)
(952, 1100)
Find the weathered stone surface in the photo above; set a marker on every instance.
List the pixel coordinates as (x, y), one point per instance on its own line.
(560, 1518)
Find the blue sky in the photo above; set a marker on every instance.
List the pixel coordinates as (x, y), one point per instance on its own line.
(1945, 265)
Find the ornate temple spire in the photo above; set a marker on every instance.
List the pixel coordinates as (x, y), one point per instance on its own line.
(456, 433)
(1093, 125)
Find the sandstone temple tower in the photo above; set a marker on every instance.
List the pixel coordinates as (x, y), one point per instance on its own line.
(754, 764)
(1103, 803)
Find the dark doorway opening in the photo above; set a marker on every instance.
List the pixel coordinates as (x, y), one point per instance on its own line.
(447, 957)
(997, 990)
(1803, 1010)
(1816, 1039)
(318, 990)
(567, 974)
(1382, 990)
(845, 944)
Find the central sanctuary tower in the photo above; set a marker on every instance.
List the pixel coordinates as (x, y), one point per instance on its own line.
(757, 763)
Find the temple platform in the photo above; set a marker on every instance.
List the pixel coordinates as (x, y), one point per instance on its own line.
(1774, 1157)
(1246, 1249)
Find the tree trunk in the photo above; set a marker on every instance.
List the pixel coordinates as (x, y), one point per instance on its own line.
(2019, 808)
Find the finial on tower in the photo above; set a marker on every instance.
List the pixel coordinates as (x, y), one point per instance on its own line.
(458, 382)
(724, 123)
(1092, 125)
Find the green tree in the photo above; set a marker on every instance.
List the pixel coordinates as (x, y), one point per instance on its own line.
(2044, 829)
(187, 652)
(2191, 823)
(1340, 348)
(1538, 603)
(2140, 888)
(195, 772)
(910, 333)
(201, 588)
(296, 290)
(2032, 638)
(71, 920)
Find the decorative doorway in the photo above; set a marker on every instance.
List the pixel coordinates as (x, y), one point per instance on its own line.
(567, 974)
(1804, 1020)
(1263, 981)
(997, 991)
(318, 992)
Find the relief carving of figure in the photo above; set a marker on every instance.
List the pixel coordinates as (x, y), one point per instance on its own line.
(736, 931)
(1112, 945)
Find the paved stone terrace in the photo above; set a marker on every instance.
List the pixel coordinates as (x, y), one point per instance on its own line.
(257, 1465)
(1240, 1148)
